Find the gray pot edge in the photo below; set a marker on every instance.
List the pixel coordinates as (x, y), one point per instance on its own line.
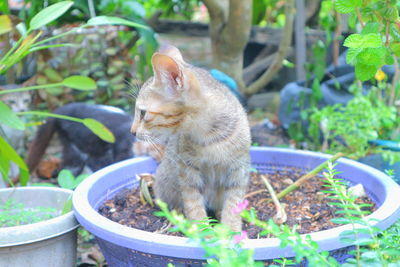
(47, 229)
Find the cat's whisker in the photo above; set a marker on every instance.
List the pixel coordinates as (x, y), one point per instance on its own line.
(154, 145)
(157, 141)
(134, 88)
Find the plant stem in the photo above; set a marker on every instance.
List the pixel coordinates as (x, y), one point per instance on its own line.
(309, 175)
(280, 216)
(387, 34)
(23, 89)
(15, 46)
(359, 17)
(47, 114)
(394, 82)
(59, 35)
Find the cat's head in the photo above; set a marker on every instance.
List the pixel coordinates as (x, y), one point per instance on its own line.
(18, 102)
(167, 100)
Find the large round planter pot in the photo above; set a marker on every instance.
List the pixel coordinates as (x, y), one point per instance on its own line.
(47, 243)
(124, 246)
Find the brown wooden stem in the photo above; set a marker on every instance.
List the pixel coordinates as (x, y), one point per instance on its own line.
(283, 49)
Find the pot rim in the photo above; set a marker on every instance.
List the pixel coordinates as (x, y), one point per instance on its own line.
(66, 222)
(182, 247)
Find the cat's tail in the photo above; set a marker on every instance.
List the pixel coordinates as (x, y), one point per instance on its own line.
(40, 143)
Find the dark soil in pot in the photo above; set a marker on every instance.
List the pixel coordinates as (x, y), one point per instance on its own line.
(307, 207)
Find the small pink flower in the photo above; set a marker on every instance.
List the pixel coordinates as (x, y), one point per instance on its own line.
(240, 237)
(241, 206)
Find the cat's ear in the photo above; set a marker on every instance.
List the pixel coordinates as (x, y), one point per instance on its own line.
(171, 51)
(167, 72)
(30, 82)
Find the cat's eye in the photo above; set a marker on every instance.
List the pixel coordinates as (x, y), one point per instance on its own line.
(142, 114)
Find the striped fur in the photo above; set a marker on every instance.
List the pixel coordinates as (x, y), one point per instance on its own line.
(206, 136)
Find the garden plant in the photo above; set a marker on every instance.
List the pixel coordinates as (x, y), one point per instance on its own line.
(351, 129)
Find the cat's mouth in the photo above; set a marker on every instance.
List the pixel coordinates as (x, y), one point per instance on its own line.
(144, 137)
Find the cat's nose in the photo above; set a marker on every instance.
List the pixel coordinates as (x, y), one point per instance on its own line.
(134, 128)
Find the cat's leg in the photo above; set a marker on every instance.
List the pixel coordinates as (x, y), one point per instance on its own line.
(234, 191)
(192, 198)
(166, 186)
(101, 161)
(72, 158)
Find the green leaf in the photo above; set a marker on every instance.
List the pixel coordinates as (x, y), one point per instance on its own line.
(8, 152)
(79, 179)
(4, 7)
(392, 14)
(43, 184)
(5, 24)
(79, 83)
(340, 220)
(353, 41)
(106, 20)
(395, 48)
(372, 56)
(389, 60)
(347, 6)
(370, 40)
(66, 179)
(67, 205)
(370, 27)
(99, 129)
(365, 72)
(8, 117)
(352, 54)
(41, 47)
(49, 14)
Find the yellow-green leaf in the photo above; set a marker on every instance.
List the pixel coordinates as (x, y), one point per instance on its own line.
(49, 14)
(8, 117)
(5, 24)
(106, 20)
(99, 129)
(79, 83)
(8, 152)
(365, 72)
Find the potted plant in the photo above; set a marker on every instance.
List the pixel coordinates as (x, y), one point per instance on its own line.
(124, 246)
(51, 241)
(45, 239)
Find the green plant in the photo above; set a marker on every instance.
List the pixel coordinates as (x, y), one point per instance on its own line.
(14, 214)
(373, 246)
(27, 43)
(371, 250)
(348, 128)
(216, 239)
(378, 43)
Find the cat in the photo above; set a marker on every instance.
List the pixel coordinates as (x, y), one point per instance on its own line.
(82, 147)
(206, 135)
(17, 102)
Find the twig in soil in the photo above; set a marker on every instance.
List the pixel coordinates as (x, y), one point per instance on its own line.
(144, 193)
(280, 216)
(307, 176)
(164, 229)
(248, 195)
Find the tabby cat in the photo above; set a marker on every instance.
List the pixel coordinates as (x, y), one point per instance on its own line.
(17, 102)
(206, 135)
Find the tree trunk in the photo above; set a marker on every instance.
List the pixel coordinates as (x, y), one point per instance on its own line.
(230, 24)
